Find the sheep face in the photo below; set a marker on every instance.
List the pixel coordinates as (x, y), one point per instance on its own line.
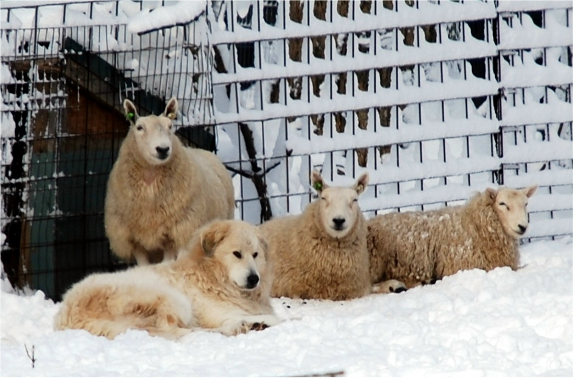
(153, 134)
(338, 207)
(511, 208)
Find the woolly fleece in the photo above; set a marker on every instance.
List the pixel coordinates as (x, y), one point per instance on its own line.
(154, 210)
(419, 247)
(309, 263)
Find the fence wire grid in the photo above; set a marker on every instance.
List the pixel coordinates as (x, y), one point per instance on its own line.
(435, 99)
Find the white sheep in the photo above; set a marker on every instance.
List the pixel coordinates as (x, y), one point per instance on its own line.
(321, 253)
(420, 247)
(159, 191)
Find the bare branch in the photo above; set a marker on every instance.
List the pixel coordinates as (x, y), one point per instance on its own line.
(240, 172)
(31, 357)
(261, 187)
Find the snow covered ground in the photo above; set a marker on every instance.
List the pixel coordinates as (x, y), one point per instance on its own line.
(501, 323)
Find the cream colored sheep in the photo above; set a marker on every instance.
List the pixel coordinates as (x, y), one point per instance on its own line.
(419, 247)
(159, 191)
(321, 253)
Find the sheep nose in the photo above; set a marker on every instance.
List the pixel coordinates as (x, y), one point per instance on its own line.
(338, 222)
(522, 228)
(163, 152)
(253, 280)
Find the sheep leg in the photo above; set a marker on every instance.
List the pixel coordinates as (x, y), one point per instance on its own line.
(140, 255)
(170, 255)
(145, 256)
(430, 281)
(121, 242)
(410, 283)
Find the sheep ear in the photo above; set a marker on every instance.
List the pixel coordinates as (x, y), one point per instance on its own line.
(212, 236)
(492, 193)
(530, 191)
(317, 182)
(171, 109)
(130, 111)
(361, 183)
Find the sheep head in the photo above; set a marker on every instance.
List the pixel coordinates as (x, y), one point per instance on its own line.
(511, 207)
(338, 208)
(153, 134)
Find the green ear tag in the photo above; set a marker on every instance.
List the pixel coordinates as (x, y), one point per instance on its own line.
(130, 116)
(317, 186)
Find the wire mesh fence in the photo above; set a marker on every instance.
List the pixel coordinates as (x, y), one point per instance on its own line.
(434, 99)
(420, 94)
(62, 125)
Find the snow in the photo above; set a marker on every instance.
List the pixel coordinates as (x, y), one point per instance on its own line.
(172, 14)
(548, 177)
(407, 55)
(545, 227)
(455, 89)
(499, 323)
(386, 135)
(534, 113)
(427, 13)
(530, 74)
(558, 149)
(34, 3)
(552, 35)
(515, 6)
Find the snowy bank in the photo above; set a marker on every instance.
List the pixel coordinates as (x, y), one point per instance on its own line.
(501, 323)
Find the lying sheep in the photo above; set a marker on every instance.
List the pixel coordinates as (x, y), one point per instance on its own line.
(159, 191)
(419, 247)
(321, 253)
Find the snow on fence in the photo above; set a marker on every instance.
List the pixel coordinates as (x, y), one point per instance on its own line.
(435, 99)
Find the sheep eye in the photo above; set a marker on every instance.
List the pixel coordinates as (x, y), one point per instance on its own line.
(237, 254)
(140, 128)
(503, 204)
(255, 255)
(355, 200)
(323, 198)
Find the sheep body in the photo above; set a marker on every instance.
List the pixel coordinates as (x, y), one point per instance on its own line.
(310, 262)
(419, 247)
(152, 210)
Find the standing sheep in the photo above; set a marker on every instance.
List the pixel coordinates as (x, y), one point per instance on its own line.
(321, 253)
(159, 191)
(419, 247)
